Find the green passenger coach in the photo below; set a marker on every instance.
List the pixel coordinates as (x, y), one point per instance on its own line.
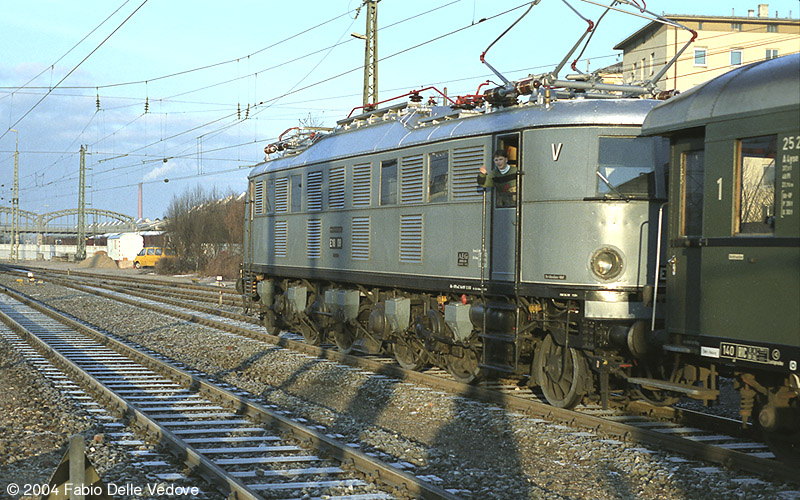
(733, 249)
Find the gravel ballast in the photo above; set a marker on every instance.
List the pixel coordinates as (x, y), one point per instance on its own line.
(477, 450)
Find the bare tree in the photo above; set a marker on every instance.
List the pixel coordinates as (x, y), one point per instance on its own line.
(202, 225)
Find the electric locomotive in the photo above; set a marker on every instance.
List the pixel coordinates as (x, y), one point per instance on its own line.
(376, 235)
(733, 245)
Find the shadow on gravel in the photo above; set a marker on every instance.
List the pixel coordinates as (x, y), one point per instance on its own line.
(475, 438)
(492, 466)
(292, 380)
(245, 364)
(158, 329)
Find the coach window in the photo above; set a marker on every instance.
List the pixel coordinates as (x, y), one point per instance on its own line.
(297, 193)
(692, 193)
(389, 182)
(755, 179)
(437, 176)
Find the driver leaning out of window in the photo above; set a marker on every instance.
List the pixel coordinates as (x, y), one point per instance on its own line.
(503, 177)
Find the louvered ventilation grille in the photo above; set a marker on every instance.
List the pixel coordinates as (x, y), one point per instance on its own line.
(411, 239)
(466, 166)
(282, 195)
(411, 180)
(360, 232)
(259, 197)
(313, 238)
(314, 191)
(362, 185)
(281, 238)
(336, 188)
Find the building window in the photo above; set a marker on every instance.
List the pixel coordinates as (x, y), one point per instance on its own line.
(389, 182)
(756, 185)
(736, 26)
(635, 75)
(700, 56)
(700, 25)
(736, 57)
(771, 54)
(652, 63)
(772, 28)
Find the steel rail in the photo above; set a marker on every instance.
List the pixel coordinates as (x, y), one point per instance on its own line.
(358, 459)
(205, 467)
(730, 458)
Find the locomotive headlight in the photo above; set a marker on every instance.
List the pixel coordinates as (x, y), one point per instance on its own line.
(606, 263)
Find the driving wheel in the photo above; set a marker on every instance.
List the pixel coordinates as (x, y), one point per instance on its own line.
(410, 354)
(345, 337)
(561, 375)
(311, 335)
(463, 365)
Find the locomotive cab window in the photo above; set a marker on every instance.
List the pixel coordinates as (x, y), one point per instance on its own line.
(505, 174)
(755, 179)
(437, 176)
(389, 182)
(625, 166)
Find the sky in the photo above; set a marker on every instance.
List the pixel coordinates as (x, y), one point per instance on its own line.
(172, 94)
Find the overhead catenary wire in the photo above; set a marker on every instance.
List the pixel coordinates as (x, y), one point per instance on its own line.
(24, 85)
(73, 69)
(220, 127)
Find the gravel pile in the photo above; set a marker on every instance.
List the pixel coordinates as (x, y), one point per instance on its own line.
(477, 450)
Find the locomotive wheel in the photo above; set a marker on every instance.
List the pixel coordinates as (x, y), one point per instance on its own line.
(311, 335)
(561, 379)
(464, 368)
(271, 322)
(409, 354)
(345, 336)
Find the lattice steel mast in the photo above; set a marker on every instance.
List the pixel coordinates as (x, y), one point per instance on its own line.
(80, 254)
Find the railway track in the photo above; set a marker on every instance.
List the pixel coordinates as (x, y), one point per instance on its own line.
(242, 447)
(698, 435)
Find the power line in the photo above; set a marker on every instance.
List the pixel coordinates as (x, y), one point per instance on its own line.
(73, 70)
(24, 85)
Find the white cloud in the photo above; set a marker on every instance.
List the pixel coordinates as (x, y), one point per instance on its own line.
(160, 171)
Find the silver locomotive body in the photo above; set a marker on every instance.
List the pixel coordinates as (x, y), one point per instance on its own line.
(377, 235)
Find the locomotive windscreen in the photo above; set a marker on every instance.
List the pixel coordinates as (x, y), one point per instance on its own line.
(629, 165)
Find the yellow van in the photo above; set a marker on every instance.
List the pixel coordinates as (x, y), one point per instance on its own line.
(150, 255)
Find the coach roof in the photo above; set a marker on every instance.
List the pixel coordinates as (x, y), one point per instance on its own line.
(762, 87)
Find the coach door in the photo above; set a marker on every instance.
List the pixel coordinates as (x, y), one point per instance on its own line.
(504, 215)
(684, 251)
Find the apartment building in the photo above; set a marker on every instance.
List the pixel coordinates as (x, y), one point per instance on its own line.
(723, 43)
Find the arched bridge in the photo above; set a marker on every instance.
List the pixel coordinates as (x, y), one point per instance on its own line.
(97, 221)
